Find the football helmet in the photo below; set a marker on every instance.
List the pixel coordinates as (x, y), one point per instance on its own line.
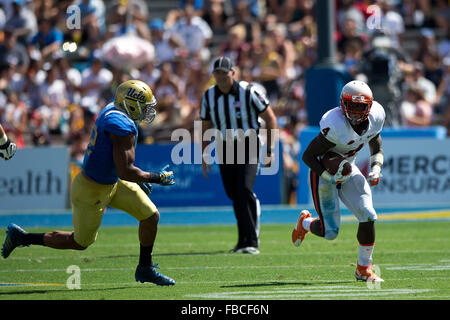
(356, 101)
(135, 98)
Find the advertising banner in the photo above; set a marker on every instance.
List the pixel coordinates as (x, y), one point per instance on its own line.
(191, 187)
(416, 171)
(36, 178)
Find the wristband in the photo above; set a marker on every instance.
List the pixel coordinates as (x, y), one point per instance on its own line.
(376, 161)
(154, 177)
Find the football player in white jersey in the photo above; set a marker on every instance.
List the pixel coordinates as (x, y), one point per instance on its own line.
(345, 130)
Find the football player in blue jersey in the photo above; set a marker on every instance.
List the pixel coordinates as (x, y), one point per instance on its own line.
(110, 178)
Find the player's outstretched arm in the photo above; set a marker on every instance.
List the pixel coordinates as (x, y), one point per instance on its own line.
(317, 147)
(376, 160)
(124, 156)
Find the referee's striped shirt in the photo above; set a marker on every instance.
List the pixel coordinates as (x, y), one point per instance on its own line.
(238, 109)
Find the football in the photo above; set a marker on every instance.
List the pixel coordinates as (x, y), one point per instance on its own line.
(331, 161)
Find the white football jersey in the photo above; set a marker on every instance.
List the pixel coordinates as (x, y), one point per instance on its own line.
(336, 128)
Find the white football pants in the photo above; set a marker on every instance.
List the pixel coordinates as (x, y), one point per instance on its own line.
(355, 193)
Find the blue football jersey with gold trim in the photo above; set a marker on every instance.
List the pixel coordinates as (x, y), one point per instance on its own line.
(98, 161)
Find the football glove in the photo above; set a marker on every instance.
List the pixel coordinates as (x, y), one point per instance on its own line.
(374, 176)
(167, 177)
(376, 161)
(8, 150)
(146, 187)
(338, 178)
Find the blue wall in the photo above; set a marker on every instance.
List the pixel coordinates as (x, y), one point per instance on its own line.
(191, 187)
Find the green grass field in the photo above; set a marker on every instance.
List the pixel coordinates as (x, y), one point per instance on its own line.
(413, 257)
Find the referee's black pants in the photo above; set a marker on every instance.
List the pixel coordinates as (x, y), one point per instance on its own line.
(238, 181)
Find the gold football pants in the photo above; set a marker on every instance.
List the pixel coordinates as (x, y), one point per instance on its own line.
(89, 200)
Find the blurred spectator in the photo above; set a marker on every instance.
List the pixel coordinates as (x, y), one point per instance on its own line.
(13, 52)
(197, 4)
(285, 49)
(2, 17)
(22, 21)
(216, 16)
(268, 70)
(427, 42)
(235, 47)
(45, 10)
(242, 16)
(349, 33)
(166, 91)
(149, 74)
(254, 6)
(93, 80)
(428, 14)
(55, 100)
(416, 77)
(352, 57)
(348, 10)
(392, 23)
(167, 46)
(413, 15)
(130, 16)
(70, 75)
(443, 46)
(33, 79)
(433, 67)
(48, 40)
(443, 93)
(415, 110)
(192, 93)
(194, 32)
(92, 19)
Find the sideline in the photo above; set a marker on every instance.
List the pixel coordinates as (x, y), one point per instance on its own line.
(215, 215)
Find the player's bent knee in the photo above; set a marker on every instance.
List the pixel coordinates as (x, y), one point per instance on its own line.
(80, 245)
(155, 216)
(331, 234)
(153, 219)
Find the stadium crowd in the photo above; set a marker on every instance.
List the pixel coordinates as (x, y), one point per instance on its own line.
(54, 78)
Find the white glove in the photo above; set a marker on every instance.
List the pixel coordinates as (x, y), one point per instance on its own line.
(374, 176)
(376, 161)
(8, 150)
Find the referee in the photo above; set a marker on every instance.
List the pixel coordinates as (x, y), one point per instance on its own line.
(231, 105)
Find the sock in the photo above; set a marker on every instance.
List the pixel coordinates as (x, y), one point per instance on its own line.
(365, 254)
(307, 223)
(33, 238)
(145, 256)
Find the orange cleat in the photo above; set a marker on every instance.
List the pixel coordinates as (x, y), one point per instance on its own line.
(298, 234)
(365, 273)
